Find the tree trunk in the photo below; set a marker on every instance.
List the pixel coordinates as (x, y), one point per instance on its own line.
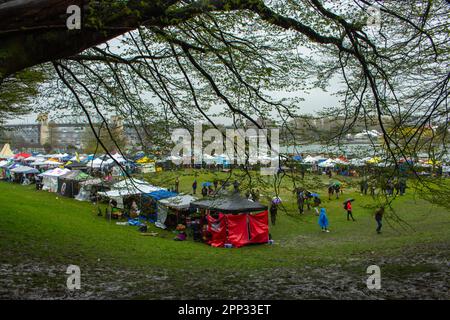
(35, 31)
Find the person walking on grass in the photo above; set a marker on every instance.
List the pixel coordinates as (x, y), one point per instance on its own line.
(177, 185)
(379, 218)
(204, 191)
(301, 200)
(194, 187)
(330, 191)
(337, 189)
(323, 220)
(348, 208)
(273, 213)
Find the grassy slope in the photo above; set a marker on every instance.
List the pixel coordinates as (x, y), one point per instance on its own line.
(43, 226)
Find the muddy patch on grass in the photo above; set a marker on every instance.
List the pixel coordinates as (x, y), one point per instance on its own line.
(411, 277)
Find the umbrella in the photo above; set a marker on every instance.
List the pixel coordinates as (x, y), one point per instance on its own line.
(206, 184)
(315, 195)
(276, 200)
(349, 200)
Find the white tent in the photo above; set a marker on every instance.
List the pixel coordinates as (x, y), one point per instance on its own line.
(50, 178)
(85, 188)
(310, 159)
(52, 163)
(178, 202)
(58, 155)
(357, 162)
(119, 158)
(6, 152)
(38, 162)
(329, 163)
(340, 161)
(126, 183)
(3, 163)
(24, 169)
(128, 187)
(98, 163)
(80, 156)
(209, 159)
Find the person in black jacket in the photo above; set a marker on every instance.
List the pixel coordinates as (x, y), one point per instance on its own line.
(273, 213)
(204, 191)
(194, 187)
(379, 218)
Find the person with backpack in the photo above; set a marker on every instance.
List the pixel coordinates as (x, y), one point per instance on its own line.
(348, 208)
(330, 191)
(337, 189)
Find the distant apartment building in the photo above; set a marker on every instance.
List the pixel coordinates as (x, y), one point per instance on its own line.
(64, 136)
(310, 128)
(25, 135)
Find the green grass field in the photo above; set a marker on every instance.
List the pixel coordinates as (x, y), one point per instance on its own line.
(45, 227)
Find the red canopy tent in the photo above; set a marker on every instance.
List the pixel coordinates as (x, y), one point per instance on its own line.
(22, 155)
(235, 220)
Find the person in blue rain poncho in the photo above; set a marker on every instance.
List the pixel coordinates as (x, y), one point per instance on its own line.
(323, 220)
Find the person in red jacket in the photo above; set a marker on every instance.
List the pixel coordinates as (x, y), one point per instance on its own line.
(348, 207)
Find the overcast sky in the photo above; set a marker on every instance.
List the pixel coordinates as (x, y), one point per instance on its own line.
(315, 101)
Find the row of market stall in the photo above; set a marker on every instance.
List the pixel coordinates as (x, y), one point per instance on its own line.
(221, 220)
(225, 220)
(320, 162)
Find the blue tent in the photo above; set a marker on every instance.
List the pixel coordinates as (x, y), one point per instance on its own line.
(161, 194)
(297, 158)
(138, 155)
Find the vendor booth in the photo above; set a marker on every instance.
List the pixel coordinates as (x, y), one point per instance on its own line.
(4, 164)
(149, 203)
(6, 152)
(69, 183)
(234, 220)
(127, 189)
(174, 210)
(24, 174)
(89, 188)
(74, 165)
(50, 179)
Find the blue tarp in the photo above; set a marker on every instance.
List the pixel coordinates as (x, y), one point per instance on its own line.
(297, 158)
(135, 222)
(161, 194)
(12, 166)
(138, 155)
